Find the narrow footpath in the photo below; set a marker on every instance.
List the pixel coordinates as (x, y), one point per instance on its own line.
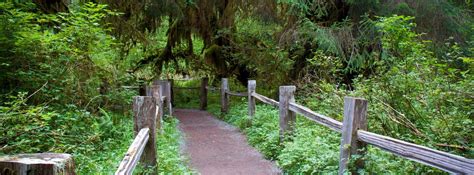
(215, 147)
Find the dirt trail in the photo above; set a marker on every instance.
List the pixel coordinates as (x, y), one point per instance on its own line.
(215, 147)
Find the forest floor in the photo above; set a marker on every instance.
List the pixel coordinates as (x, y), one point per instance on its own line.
(215, 147)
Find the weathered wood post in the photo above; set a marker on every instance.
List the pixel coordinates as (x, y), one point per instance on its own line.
(156, 92)
(203, 94)
(251, 86)
(144, 109)
(169, 98)
(171, 81)
(287, 117)
(224, 96)
(41, 163)
(165, 91)
(355, 118)
(148, 91)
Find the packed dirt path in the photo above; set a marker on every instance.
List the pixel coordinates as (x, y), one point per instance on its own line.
(215, 147)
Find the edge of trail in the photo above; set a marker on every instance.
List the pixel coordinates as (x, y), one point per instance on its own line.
(215, 147)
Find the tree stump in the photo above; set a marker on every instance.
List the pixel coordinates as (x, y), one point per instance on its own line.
(38, 164)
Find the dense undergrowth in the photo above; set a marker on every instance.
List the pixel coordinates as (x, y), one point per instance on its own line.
(62, 76)
(313, 149)
(63, 68)
(97, 142)
(414, 97)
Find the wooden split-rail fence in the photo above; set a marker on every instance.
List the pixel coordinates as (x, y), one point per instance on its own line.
(148, 112)
(148, 115)
(148, 118)
(353, 129)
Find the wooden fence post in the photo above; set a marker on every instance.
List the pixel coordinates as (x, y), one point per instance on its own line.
(166, 91)
(169, 98)
(251, 86)
(287, 117)
(148, 91)
(203, 94)
(144, 109)
(40, 163)
(156, 92)
(355, 118)
(224, 96)
(171, 81)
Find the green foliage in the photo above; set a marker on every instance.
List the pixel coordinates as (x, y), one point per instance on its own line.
(426, 95)
(61, 83)
(262, 132)
(71, 53)
(254, 46)
(96, 142)
(415, 97)
(312, 149)
(170, 159)
(187, 98)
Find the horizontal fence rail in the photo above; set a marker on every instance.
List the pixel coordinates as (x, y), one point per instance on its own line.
(187, 88)
(318, 118)
(130, 87)
(212, 88)
(353, 129)
(239, 94)
(442, 160)
(265, 99)
(134, 153)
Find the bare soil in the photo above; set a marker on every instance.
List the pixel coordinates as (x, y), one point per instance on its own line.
(215, 147)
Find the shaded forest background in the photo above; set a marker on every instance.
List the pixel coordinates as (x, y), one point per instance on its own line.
(63, 63)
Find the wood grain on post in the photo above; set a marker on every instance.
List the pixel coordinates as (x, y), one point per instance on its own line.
(445, 161)
(134, 152)
(355, 118)
(287, 117)
(251, 86)
(203, 94)
(41, 163)
(156, 92)
(224, 96)
(144, 109)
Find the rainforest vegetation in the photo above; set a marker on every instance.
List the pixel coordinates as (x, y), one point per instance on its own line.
(64, 65)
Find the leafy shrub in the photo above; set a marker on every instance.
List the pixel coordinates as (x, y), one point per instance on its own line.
(312, 149)
(415, 97)
(67, 56)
